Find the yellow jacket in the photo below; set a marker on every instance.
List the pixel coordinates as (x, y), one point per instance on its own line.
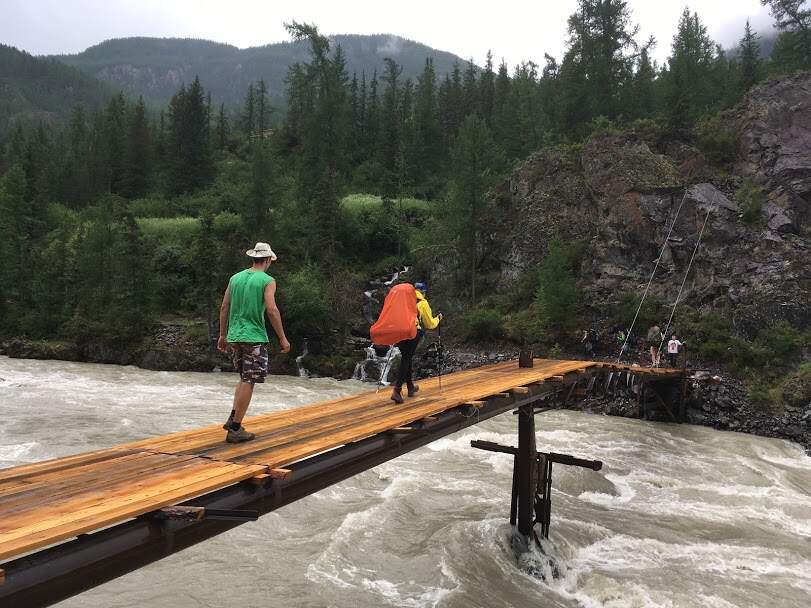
(425, 318)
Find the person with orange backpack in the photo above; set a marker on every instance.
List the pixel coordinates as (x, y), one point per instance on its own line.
(405, 317)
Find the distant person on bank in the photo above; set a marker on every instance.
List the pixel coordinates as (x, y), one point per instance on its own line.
(673, 348)
(425, 320)
(249, 295)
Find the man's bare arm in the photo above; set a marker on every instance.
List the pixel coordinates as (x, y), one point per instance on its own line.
(225, 307)
(275, 316)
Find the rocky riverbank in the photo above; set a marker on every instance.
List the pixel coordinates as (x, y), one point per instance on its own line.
(721, 402)
(716, 400)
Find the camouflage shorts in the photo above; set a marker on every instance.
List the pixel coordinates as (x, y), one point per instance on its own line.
(250, 360)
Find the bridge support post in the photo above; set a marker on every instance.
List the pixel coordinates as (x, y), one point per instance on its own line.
(526, 467)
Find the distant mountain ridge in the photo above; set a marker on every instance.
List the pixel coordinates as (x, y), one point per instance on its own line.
(156, 67)
(36, 89)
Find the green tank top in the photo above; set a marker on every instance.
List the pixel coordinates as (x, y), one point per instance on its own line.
(246, 316)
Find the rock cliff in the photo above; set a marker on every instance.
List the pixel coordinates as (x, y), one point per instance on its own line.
(629, 195)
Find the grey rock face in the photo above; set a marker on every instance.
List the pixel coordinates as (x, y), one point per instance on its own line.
(775, 127)
(623, 199)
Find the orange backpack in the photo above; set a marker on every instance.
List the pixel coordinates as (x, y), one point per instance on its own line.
(398, 319)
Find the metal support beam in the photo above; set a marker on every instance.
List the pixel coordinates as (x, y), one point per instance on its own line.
(527, 477)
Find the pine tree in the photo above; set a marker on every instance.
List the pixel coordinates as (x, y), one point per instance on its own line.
(486, 92)
(109, 247)
(360, 121)
(222, 128)
(502, 112)
(137, 162)
(470, 93)
(261, 106)
(793, 19)
(473, 159)
(189, 161)
(749, 47)
(600, 57)
(324, 140)
(249, 115)
(77, 188)
(389, 143)
(16, 221)
(427, 143)
(689, 81)
(644, 93)
(372, 122)
(114, 141)
(259, 198)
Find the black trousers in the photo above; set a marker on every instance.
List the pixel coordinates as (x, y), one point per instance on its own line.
(407, 350)
(672, 358)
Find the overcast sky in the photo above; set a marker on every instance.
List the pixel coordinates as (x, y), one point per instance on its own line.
(513, 29)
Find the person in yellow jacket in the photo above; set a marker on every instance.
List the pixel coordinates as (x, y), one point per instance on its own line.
(425, 321)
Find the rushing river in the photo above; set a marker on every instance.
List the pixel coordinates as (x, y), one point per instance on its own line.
(679, 516)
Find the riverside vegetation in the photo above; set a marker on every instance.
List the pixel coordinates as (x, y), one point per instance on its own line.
(128, 216)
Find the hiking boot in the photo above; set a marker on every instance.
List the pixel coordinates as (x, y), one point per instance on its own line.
(397, 395)
(239, 436)
(413, 389)
(227, 425)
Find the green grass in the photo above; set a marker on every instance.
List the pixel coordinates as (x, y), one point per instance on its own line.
(358, 202)
(178, 231)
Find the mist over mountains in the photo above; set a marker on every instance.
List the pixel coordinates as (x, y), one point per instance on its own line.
(156, 67)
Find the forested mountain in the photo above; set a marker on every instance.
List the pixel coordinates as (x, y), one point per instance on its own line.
(156, 67)
(35, 90)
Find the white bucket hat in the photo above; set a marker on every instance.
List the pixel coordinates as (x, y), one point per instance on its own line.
(261, 250)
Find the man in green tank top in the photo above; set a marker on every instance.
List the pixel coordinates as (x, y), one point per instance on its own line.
(249, 295)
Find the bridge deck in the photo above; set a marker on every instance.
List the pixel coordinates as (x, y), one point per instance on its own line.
(48, 502)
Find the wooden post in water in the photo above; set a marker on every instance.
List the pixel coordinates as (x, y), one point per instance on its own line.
(526, 462)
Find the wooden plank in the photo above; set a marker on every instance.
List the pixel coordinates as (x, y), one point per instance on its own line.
(520, 390)
(45, 531)
(476, 404)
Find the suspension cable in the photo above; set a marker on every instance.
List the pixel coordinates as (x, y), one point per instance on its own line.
(652, 274)
(710, 209)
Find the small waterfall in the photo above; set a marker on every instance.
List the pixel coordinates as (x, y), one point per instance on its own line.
(381, 363)
(302, 372)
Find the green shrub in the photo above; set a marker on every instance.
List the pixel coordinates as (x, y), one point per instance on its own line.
(717, 142)
(652, 311)
(750, 197)
(357, 202)
(177, 231)
(602, 125)
(795, 390)
(197, 333)
(556, 352)
(303, 298)
(646, 128)
(227, 224)
(558, 299)
(524, 327)
(482, 324)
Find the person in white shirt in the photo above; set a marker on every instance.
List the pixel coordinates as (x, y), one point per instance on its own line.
(673, 348)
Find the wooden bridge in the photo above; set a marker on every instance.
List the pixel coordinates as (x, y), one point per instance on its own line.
(72, 523)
